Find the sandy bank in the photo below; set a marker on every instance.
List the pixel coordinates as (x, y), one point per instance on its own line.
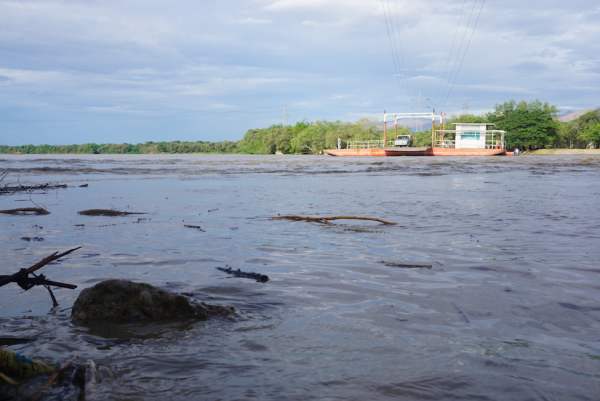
(565, 152)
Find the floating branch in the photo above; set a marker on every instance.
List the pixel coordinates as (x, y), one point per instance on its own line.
(407, 265)
(26, 211)
(26, 188)
(22, 277)
(261, 278)
(329, 219)
(106, 212)
(199, 228)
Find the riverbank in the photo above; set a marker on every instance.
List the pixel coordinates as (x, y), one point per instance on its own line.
(557, 152)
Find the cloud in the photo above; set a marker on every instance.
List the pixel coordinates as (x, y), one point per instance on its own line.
(103, 66)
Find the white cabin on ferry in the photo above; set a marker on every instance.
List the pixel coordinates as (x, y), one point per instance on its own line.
(470, 136)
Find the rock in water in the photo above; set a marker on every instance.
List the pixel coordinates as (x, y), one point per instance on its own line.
(122, 301)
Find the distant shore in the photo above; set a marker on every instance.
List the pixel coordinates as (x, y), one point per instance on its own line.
(545, 152)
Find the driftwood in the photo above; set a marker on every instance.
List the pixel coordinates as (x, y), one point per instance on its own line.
(407, 265)
(26, 211)
(26, 188)
(10, 189)
(106, 212)
(199, 228)
(29, 239)
(22, 277)
(329, 219)
(261, 278)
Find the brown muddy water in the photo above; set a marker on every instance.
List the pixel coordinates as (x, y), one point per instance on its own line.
(510, 309)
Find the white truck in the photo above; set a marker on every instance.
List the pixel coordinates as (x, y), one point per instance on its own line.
(403, 141)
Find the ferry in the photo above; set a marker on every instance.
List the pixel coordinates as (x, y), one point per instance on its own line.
(466, 139)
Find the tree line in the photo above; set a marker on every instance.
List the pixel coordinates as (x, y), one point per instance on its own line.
(529, 125)
(534, 125)
(126, 148)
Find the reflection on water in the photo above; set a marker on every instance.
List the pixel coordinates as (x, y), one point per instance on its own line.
(509, 309)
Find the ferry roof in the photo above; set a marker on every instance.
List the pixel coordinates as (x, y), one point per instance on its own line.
(473, 124)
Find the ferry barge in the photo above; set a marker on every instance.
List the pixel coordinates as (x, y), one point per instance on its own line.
(466, 139)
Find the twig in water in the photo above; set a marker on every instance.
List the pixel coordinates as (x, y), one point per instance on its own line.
(28, 188)
(106, 212)
(22, 279)
(461, 313)
(194, 227)
(329, 219)
(261, 278)
(407, 265)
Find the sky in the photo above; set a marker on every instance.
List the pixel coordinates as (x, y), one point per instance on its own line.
(142, 70)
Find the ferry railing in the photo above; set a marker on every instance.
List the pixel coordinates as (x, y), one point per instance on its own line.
(364, 144)
(494, 139)
(445, 143)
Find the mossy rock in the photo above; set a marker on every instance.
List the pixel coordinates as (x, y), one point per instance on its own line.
(15, 368)
(122, 301)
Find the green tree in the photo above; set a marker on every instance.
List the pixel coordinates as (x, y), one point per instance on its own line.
(591, 135)
(529, 125)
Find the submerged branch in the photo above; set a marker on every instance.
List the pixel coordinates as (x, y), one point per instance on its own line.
(106, 212)
(407, 265)
(26, 211)
(261, 278)
(329, 219)
(26, 188)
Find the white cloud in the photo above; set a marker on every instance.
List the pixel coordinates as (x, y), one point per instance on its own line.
(328, 58)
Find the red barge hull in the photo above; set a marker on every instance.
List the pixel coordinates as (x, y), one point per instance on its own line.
(356, 152)
(414, 152)
(465, 152)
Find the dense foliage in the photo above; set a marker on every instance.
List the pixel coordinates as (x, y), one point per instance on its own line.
(581, 132)
(306, 137)
(529, 125)
(534, 125)
(126, 148)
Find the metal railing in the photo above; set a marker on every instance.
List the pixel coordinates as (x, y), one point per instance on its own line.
(364, 144)
(494, 139)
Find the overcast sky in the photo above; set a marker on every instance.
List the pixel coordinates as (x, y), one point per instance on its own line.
(132, 71)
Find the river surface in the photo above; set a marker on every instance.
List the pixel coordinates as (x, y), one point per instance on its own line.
(509, 310)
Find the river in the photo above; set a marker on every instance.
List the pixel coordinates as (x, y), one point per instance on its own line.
(509, 310)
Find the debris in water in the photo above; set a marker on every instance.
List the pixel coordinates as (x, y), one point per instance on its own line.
(407, 265)
(107, 212)
(84, 185)
(26, 188)
(22, 279)
(35, 239)
(261, 278)
(329, 219)
(199, 228)
(22, 378)
(15, 367)
(26, 211)
(461, 313)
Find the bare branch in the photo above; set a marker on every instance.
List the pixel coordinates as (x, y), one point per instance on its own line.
(329, 219)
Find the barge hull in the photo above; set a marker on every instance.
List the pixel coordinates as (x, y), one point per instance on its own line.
(465, 152)
(356, 152)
